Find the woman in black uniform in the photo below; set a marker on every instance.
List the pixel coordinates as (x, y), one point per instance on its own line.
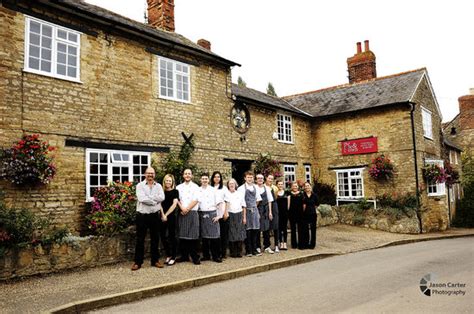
(295, 213)
(282, 199)
(168, 219)
(310, 202)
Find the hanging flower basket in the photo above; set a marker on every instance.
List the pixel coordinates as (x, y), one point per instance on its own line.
(28, 162)
(265, 164)
(381, 168)
(434, 174)
(452, 175)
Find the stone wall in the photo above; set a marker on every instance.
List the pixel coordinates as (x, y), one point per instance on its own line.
(117, 102)
(75, 253)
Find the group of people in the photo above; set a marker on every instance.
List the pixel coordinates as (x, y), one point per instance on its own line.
(224, 217)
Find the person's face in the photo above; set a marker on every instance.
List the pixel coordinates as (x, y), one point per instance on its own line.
(259, 179)
(217, 179)
(294, 187)
(249, 179)
(307, 187)
(204, 180)
(270, 180)
(187, 175)
(232, 186)
(280, 186)
(150, 174)
(168, 182)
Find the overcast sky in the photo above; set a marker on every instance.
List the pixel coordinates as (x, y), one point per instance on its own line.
(302, 45)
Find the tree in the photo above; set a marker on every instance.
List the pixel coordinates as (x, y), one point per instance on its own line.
(271, 90)
(241, 82)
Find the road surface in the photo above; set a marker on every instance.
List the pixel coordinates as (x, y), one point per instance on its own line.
(383, 280)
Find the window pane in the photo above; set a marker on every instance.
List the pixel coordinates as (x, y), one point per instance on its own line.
(35, 27)
(46, 42)
(94, 169)
(103, 180)
(115, 170)
(103, 169)
(136, 169)
(94, 180)
(61, 69)
(47, 30)
(62, 34)
(144, 160)
(103, 157)
(71, 72)
(72, 37)
(125, 157)
(125, 170)
(71, 60)
(62, 47)
(46, 54)
(34, 51)
(34, 39)
(115, 178)
(72, 50)
(61, 58)
(46, 66)
(94, 157)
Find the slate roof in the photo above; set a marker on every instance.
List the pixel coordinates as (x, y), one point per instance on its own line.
(82, 9)
(449, 143)
(398, 88)
(258, 98)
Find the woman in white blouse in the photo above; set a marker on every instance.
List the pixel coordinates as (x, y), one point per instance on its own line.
(235, 206)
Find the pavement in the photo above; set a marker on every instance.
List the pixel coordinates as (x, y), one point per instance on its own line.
(85, 290)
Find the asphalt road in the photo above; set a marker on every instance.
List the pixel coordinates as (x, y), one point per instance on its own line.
(384, 280)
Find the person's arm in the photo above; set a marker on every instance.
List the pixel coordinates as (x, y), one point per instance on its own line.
(142, 197)
(258, 196)
(244, 215)
(160, 195)
(172, 207)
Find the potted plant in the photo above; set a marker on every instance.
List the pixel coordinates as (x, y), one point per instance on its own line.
(433, 173)
(381, 168)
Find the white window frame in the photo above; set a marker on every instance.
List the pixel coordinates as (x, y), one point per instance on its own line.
(54, 50)
(111, 163)
(438, 188)
(350, 177)
(307, 173)
(282, 130)
(175, 74)
(289, 174)
(427, 123)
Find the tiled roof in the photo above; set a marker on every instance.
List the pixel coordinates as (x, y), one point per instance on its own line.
(259, 98)
(82, 8)
(398, 88)
(449, 143)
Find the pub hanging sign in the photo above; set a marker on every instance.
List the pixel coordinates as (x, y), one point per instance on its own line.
(359, 146)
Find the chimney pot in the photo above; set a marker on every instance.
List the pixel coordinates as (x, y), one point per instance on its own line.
(204, 43)
(359, 47)
(366, 44)
(361, 66)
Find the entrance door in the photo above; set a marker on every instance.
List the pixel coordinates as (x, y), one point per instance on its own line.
(238, 169)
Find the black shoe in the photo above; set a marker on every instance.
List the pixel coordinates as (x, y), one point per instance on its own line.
(206, 258)
(182, 260)
(217, 260)
(197, 261)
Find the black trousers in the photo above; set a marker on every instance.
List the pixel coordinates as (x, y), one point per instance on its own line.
(147, 222)
(312, 222)
(168, 236)
(276, 237)
(251, 241)
(303, 234)
(266, 239)
(224, 240)
(294, 237)
(211, 247)
(189, 248)
(235, 249)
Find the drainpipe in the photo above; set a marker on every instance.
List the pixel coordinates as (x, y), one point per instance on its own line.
(418, 215)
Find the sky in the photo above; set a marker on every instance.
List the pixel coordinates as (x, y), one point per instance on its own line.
(303, 45)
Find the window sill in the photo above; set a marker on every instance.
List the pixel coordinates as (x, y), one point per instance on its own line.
(428, 138)
(174, 100)
(283, 142)
(63, 78)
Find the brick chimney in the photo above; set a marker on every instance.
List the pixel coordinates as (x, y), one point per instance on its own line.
(466, 112)
(161, 14)
(361, 66)
(204, 43)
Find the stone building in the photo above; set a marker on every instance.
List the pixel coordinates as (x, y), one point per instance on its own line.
(112, 94)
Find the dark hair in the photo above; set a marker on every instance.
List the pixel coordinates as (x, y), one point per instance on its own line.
(249, 173)
(204, 174)
(221, 183)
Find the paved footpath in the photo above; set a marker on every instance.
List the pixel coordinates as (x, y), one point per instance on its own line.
(114, 284)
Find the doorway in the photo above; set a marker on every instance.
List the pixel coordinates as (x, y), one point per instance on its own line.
(239, 166)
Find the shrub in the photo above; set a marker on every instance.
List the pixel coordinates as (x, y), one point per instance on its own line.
(325, 210)
(381, 168)
(28, 162)
(325, 192)
(465, 212)
(19, 228)
(403, 201)
(358, 220)
(113, 208)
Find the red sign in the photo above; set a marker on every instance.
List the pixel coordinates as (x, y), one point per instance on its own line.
(360, 146)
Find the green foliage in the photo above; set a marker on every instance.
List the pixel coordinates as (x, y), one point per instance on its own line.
(325, 192)
(325, 210)
(465, 211)
(358, 220)
(271, 90)
(113, 208)
(467, 161)
(265, 164)
(241, 82)
(403, 201)
(176, 162)
(19, 228)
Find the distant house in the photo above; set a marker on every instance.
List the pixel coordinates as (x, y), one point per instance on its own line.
(112, 94)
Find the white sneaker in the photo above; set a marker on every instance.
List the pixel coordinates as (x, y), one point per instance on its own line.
(277, 250)
(269, 250)
(259, 251)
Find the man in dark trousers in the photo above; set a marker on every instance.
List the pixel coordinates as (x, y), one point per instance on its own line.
(149, 197)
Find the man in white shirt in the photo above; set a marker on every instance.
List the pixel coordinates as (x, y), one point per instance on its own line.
(149, 197)
(188, 218)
